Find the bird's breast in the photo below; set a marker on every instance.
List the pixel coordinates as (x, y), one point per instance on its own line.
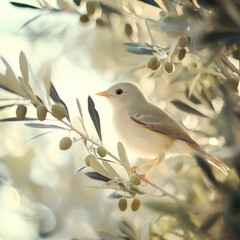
(143, 141)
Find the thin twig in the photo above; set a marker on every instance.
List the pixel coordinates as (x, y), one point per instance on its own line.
(227, 63)
(177, 200)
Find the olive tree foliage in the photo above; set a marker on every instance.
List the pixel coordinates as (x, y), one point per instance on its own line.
(188, 51)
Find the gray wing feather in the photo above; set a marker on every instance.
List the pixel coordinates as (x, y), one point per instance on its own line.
(162, 123)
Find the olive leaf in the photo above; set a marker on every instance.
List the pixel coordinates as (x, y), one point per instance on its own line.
(79, 169)
(94, 116)
(40, 125)
(151, 2)
(123, 156)
(116, 195)
(97, 176)
(79, 108)
(127, 229)
(23, 5)
(98, 167)
(6, 106)
(192, 97)
(110, 169)
(24, 66)
(10, 82)
(14, 119)
(186, 108)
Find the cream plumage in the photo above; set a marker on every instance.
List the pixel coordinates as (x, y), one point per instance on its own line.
(147, 129)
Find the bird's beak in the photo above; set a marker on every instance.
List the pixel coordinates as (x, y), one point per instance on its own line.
(104, 94)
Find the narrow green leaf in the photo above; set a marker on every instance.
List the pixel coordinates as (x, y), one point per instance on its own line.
(8, 89)
(6, 106)
(127, 229)
(116, 195)
(207, 170)
(79, 108)
(10, 81)
(98, 167)
(151, 2)
(110, 169)
(79, 169)
(40, 125)
(94, 116)
(123, 156)
(192, 97)
(186, 108)
(14, 119)
(24, 66)
(206, 98)
(39, 135)
(55, 97)
(32, 19)
(23, 5)
(97, 176)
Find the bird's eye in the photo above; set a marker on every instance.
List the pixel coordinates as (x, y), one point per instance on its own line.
(119, 91)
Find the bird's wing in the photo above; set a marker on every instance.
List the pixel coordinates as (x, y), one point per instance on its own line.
(162, 123)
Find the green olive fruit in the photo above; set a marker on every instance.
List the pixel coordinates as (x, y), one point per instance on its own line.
(89, 158)
(168, 67)
(135, 180)
(65, 143)
(59, 111)
(178, 167)
(128, 29)
(122, 204)
(183, 41)
(41, 112)
(102, 152)
(101, 23)
(136, 203)
(153, 63)
(21, 112)
(84, 18)
(181, 53)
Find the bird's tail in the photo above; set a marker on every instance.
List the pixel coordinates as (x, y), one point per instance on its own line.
(211, 159)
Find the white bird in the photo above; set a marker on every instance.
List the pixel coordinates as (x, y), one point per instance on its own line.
(148, 130)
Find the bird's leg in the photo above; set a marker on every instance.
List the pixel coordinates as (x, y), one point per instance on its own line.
(134, 169)
(145, 175)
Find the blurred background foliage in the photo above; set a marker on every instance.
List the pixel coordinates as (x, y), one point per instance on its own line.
(184, 54)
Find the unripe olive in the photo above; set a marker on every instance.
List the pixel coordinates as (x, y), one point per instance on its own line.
(168, 67)
(21, 112)
(84, 18)
(183, 41)
(178, 167)
(153, 63)
(65, 143)
(41, 112)
(101, 23)
(102, 152)
(136, 203)
(135, 180)
(122, 204)
(89, 158)
(181, 53)
(128, 30)
(59, 111)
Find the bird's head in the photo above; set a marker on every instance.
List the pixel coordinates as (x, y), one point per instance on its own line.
(123, 94)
